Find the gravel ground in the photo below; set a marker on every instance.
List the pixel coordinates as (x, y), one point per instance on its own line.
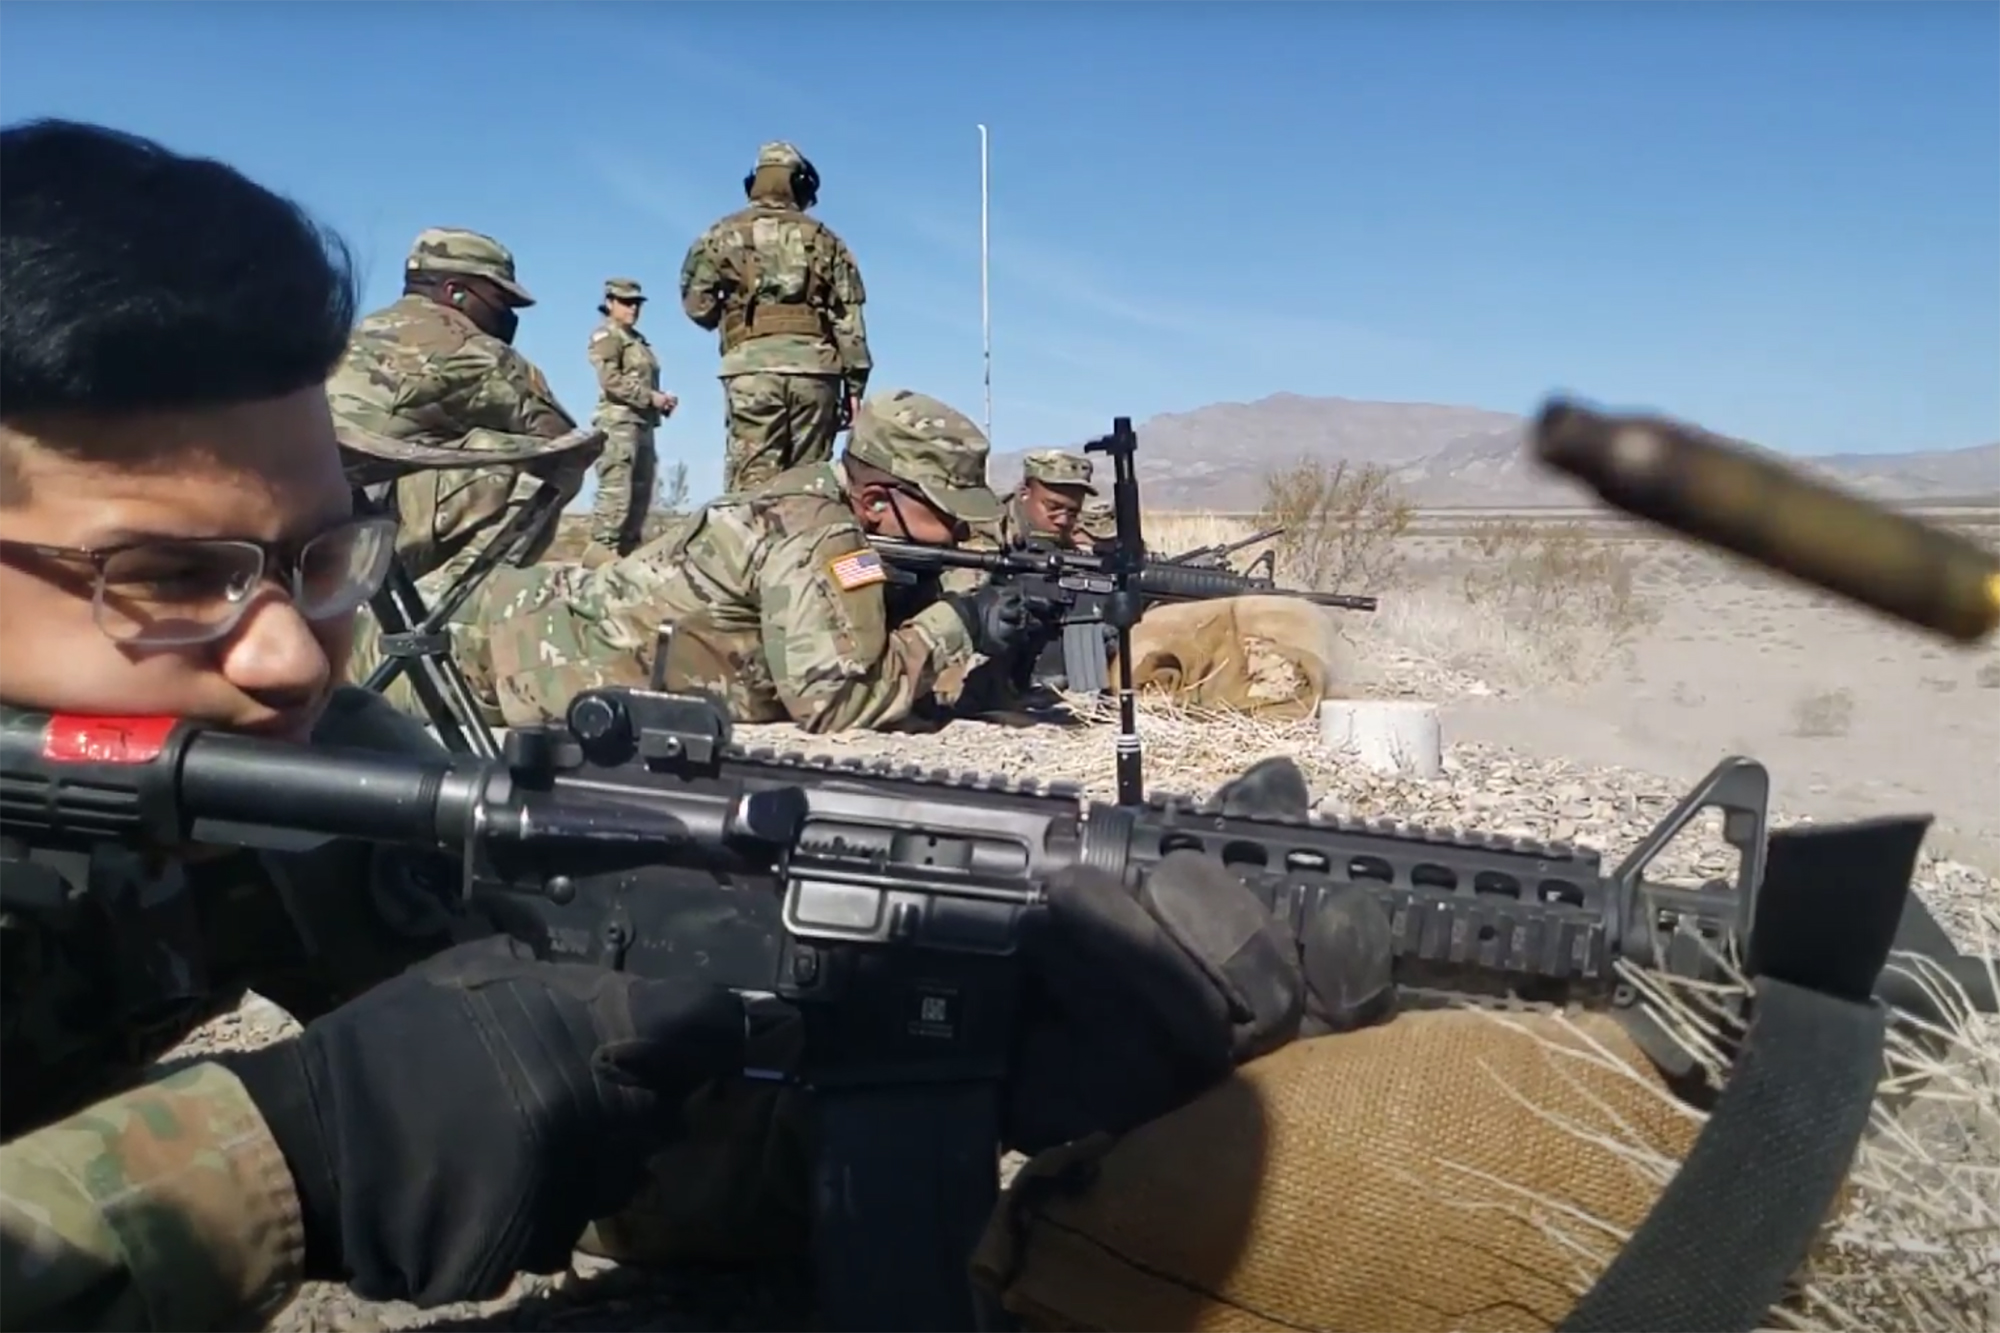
(1483, 787)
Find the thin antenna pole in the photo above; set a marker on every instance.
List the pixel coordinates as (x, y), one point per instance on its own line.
(985, 308)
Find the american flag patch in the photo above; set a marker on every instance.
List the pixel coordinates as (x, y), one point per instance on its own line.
(857, 570)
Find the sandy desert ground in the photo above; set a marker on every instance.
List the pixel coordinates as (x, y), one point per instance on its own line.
(1583, 684)
(1852, 714)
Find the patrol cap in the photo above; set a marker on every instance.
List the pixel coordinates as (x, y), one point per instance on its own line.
(623, 289)
(1058, 467)
(780, 154)
(936, 449)
(469, 254)
(1098, 518)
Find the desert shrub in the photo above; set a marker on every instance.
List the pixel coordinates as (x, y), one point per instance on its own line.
(671, 493)
(1550, 575)
(1341, 524)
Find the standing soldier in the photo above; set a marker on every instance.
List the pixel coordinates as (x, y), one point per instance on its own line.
(629, 407)
(785, 296)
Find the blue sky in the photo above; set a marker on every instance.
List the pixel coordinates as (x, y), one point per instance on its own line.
(1781, 220)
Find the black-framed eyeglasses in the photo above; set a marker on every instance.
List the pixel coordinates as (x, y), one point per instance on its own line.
(178, 591)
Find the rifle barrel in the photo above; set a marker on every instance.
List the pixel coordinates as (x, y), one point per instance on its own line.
(1158, 580)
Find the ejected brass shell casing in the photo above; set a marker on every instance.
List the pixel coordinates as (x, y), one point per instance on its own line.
(1722, 492)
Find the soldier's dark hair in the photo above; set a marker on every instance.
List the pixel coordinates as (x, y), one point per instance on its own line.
(138, 279)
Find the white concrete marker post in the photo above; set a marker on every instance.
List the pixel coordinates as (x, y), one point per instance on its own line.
(1397, 736)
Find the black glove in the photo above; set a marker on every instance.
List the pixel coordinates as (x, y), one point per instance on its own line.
(465, 1121)
(1139, 1003)
(998, 616)
(1347, 949)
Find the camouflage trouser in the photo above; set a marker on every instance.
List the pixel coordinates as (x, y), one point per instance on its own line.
(626, 473)
(777, 422)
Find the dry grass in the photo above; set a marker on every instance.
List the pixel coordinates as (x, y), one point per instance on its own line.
(1341, 524)
(1516, 603)
(1917, 1247)
(1552, 575)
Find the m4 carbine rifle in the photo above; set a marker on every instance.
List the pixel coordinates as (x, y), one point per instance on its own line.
(884, 907)
(1078, 584)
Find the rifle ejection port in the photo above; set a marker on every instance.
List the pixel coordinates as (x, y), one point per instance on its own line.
(820, 907)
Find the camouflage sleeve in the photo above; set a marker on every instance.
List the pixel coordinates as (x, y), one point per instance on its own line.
(165, 1207)
(834, 661)
(505, 392)
(850, 328)
(701, 284)
(619, 385)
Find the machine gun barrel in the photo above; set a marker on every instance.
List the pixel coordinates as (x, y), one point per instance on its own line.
(1078, 572)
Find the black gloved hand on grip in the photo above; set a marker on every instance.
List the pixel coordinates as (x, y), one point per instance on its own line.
(997, 616)
(464, 1121)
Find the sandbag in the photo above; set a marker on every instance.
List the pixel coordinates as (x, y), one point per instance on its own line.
(1400, 1179)
(1273, 656)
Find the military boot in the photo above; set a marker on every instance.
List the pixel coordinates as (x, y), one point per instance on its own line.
(597, 553)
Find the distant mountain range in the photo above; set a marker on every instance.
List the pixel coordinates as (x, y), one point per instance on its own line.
(1216, 457)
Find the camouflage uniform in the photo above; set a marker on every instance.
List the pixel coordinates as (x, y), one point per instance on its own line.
(785, 296)
(776, 598)
(166, 1204)
(419, 378)
(1052, 467)
(1098, 521)
(628, 375)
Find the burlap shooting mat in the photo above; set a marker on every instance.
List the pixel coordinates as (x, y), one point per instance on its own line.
(1273, 656)
(1451, 1170)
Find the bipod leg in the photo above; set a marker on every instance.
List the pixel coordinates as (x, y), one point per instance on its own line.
(425, 654)
(519, 532)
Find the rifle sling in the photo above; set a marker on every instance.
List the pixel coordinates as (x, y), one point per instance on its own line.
(1744, 1209)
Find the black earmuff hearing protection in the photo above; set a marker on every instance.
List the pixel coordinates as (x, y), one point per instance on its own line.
(805, 184)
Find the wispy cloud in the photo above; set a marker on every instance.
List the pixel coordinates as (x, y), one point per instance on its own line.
(1066, 281)
(638, 182)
